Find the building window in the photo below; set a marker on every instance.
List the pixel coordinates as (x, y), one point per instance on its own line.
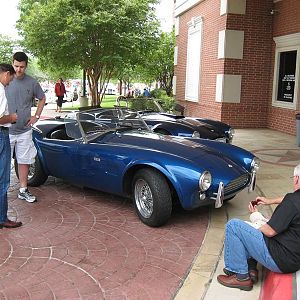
(286, 76)
(175, 55)
(286, 71)
(176, 26)
(193, 59)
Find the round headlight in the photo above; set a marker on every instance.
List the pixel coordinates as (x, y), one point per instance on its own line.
(205, 181)
(255, 164)
(231, 133)
(196, 134)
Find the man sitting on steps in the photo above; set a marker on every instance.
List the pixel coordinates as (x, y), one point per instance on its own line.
(275, 245)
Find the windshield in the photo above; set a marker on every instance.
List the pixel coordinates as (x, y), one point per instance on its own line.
(94, 123)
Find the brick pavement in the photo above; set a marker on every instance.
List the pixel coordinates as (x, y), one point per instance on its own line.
(81, 244)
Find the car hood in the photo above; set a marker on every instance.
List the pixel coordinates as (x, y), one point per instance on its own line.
(206, 130)
(164, 117)
(201, 155)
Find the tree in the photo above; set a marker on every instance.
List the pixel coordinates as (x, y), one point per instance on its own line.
(55, 72)
(6, 49)
(159, 65)
(98, 36)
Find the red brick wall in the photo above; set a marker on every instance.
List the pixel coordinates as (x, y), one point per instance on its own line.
(255, 108)
(286, 17)
(286, 20)
(210, 65)
(255, 67)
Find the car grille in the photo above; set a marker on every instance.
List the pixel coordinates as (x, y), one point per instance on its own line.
(236, 184)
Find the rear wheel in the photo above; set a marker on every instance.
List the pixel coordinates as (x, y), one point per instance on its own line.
(36, 175)
(152, 197)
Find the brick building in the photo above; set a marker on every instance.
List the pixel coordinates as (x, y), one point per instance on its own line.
(238, 61)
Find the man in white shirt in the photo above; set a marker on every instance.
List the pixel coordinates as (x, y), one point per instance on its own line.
(6, 75)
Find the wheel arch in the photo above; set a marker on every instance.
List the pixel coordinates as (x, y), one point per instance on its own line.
(128, 177)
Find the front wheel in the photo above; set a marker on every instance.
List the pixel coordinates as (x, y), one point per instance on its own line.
(152, 197)
(36, 174)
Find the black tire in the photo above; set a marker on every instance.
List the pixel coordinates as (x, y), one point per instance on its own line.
(36, 176)
(152, 197)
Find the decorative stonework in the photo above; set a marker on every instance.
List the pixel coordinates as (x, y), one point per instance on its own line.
(228, 88)
(232, 7)
(183, 5)
(231, 44)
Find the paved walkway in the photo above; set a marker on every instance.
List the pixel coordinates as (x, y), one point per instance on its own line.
(81, 244)
(279, 154)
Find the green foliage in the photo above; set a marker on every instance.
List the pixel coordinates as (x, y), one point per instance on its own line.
(6, 49)
(35, 71)
(159, 65)
(158, 93)
(99, 36)
(61, 72)
(166, 102)
(142, 104)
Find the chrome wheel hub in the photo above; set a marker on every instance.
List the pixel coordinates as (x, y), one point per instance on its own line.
(143, 198)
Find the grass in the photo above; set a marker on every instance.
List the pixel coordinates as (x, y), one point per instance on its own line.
(108, 101)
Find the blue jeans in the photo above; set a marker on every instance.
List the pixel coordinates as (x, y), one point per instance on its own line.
(243, 241)
(4, 173)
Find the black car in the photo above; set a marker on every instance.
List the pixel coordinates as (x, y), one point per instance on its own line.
(178, 125)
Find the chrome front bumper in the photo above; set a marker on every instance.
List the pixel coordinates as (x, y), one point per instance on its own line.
(219, 199)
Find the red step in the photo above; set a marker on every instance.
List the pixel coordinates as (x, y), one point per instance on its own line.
(278, 286)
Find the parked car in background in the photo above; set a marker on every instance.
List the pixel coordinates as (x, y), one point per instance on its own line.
(114, 151)
(110, 89)
(171, 124)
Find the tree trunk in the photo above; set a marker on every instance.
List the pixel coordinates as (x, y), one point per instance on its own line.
(166, 83)
(93, 78)
(120, 86)
(98, 77)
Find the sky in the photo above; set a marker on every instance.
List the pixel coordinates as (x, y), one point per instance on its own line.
(164, 13)
(10, 14)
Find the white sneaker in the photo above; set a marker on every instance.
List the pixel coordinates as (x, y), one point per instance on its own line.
(27, 196)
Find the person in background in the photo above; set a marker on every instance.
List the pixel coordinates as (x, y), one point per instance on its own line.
(146, 93)
(60, 91)
(20, 93)
(275, 244)
(6, 76)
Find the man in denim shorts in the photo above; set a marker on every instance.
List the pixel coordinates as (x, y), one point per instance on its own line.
(20, 94)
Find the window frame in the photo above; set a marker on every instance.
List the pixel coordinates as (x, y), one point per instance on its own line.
(195, 26)
(286, 44)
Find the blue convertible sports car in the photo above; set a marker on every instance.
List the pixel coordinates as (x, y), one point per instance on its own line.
(114, 151)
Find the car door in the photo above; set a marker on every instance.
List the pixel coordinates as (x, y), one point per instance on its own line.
(59, 157)
(101, 166)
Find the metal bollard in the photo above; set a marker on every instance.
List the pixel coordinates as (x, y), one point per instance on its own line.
(298, 129)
